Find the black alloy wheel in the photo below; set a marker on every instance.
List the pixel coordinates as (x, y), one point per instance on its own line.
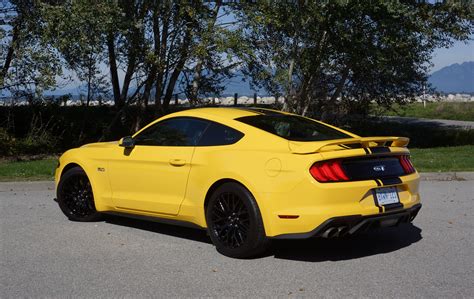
(230, 219)
(75, 196)
(234, 222)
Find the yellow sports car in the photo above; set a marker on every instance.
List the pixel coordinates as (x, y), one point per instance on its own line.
(246, 175)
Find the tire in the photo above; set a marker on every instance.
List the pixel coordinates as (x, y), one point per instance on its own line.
(234, 222)
(75, 196)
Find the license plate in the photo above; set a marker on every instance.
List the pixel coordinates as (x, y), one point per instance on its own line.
(386, 196)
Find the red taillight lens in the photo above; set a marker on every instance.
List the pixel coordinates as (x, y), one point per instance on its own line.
(337, 169)
(317, 173)
(328, 171)
(406, 164)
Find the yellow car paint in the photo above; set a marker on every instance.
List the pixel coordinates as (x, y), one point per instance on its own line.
(173, 182)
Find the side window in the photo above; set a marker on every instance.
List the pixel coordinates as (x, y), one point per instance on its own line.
(180, 131)
(217, 134)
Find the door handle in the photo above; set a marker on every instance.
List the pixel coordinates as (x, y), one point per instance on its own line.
(177, 162)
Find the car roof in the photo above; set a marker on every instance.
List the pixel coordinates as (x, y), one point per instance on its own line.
(228, 116)
(227, 112)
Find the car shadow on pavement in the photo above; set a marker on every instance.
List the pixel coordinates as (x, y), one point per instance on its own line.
(311, 250)
(189, 233)
(372, 243)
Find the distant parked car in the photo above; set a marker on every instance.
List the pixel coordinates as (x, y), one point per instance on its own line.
(246, 175)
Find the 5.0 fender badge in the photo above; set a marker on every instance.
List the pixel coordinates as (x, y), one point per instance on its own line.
(101, 169)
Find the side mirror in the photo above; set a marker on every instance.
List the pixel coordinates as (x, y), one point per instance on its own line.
(127, 142)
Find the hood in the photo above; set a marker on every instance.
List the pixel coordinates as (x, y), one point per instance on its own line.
(100, 144)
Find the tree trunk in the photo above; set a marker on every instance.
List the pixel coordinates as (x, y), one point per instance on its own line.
(135, 37)
(154, 68)
(161, 63)
(9, 57)
(172, 83)
(340, 85)
(183, 57)
(128, 77)
(91, 69)
(113, 70)
(288, 99)
(197, 70)
(195, 84)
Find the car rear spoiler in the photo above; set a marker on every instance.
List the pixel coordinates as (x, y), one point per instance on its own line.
(365, 142)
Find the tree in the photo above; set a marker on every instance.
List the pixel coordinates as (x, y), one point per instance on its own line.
(74, 29)
(148, 46)
(29, 66)
(338, 56)
(187, 50)
(208, 67)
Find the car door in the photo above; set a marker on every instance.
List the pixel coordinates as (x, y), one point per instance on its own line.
(152, 176)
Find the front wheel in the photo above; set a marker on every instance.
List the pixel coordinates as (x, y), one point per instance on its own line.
(234, 222)
(75, 197)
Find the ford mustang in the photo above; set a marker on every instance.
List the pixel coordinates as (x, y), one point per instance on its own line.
(247, 175)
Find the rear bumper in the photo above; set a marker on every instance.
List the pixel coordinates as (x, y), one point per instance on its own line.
(349, 225)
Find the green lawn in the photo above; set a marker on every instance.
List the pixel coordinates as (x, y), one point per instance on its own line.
(440, 159)
(28, 170)
(439, 110)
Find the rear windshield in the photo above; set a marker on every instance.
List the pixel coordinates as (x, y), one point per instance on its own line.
(293, 127)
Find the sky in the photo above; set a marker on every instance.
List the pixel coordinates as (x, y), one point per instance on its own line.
(458, 53)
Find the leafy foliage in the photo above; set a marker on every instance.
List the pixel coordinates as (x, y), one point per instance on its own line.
(328, 59)
(29, 65)
(338, 56)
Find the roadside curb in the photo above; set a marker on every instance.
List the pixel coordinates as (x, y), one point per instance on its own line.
(447, 176)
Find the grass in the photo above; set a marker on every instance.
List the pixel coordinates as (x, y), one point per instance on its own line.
(437, 110)
(35, 170)
(440, 159)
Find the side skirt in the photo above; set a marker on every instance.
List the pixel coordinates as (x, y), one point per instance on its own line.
(156, 219)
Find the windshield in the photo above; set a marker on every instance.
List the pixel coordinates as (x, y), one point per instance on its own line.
(293, 127)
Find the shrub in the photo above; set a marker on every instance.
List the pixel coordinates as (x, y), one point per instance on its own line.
(7, 143)
(422, 135)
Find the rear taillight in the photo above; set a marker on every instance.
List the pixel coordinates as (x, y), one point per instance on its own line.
(328, 171)
(406, 164)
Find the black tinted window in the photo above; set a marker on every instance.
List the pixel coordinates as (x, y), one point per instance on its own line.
(173, 132)
(217, 134)
(293, 127)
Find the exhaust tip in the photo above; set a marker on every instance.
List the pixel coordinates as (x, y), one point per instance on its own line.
(330, 232)
(342, 230)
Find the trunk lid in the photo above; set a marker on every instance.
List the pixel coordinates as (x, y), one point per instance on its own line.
(360, 158)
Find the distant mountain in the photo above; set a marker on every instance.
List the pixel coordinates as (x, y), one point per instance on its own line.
(456, 78)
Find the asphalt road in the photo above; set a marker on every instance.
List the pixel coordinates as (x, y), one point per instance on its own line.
(431, 122)
(45, 255)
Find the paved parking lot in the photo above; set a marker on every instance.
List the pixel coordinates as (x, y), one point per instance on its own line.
(45, 255)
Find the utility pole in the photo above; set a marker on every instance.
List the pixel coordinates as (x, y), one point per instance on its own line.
(424, 96)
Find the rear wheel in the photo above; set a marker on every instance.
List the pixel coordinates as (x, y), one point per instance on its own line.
(234, 222)
(75, 197)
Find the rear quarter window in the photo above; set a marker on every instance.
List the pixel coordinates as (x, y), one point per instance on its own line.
(217, 134)
(292, 127)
